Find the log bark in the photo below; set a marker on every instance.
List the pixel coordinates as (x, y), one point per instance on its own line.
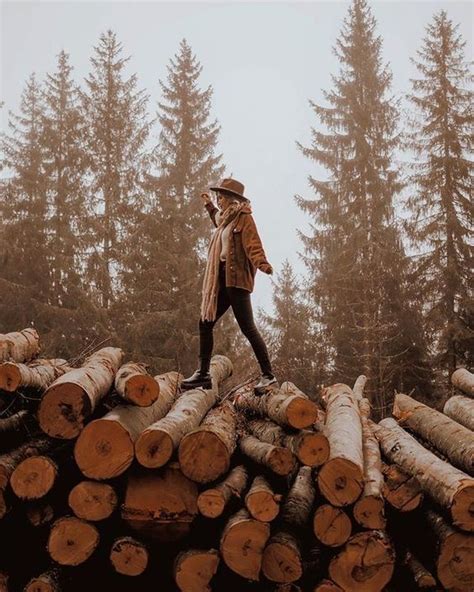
(34, 477)
(461, 409)
(38, 374)
(195, 568)
(242, 544)
(311, 448)
(341, 478)
(204, 454)
(14, 422)
(464, 381)
(72, 398)
(358, 388)
(135, 385)
(331, 525)
(49, 581)
(280, 460)
(72, 541)
(19, 346)
(449, 437)
(421, 576)
(261, 501)
(212, 502)
(157, 443)
(286, 406)
(106, 446)
(401, 490)
(447, 485)
(92, 500)
(282, 558)
(160, 504)
(365, 564)
(369, 508)
(128, 556)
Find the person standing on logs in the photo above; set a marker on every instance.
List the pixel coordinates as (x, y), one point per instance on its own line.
(235, 253)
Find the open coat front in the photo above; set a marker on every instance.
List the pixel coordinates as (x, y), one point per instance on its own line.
(245, 250)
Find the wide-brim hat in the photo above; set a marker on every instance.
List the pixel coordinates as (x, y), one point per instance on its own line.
(231, 186)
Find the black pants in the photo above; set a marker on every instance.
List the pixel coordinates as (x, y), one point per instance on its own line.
(239, 300)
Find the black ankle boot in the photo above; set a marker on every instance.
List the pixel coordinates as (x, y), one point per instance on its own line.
(200, 379)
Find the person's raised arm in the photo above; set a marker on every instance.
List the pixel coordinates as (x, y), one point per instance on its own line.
(210, 207)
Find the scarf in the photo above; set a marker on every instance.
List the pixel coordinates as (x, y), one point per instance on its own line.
(210, 287)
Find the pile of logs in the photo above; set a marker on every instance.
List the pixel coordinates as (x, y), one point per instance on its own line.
(110, 475)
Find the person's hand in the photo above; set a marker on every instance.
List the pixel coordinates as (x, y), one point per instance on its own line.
(206, 198)
(267, 268)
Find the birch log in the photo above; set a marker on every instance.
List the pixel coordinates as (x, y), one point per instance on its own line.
(461, 409)
(19, 346)
(135, 385)
(195, 568)
(72, 398)
(278, 459)
(38, 374)
(464, 381)
(212, 502)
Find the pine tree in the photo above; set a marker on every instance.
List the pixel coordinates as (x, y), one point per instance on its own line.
(65, 167)
(294, 344)
(166, 265)
(116, 117)
(24, 205)
(350, 251)
(440, 201)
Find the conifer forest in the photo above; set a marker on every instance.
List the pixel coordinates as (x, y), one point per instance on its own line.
(355, 473)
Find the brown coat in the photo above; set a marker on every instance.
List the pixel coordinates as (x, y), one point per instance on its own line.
(245, 250)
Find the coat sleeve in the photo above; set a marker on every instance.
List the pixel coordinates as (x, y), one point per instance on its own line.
(252, 244)
(211, 208)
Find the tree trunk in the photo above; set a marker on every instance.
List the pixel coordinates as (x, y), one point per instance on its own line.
(34, 477)
(449, 437)
(106, 446)
(195, 568)
(261, 501)
(450, 487)
(204, 454)
(464, 381)
(93, 501)
(365, 564)
(212, 502)
(10, 460)
(242, 544)
(461, 409)
(289, 407)
(331, 525)
(135, 385)
(311, 448)
(401, 490)
(157, 443)
(39, 374)
(369, 508)
(160, 504)
(129, 556)
(280, 460)
(72, 398)
(72, 541)
(341, 478)
(19, 346)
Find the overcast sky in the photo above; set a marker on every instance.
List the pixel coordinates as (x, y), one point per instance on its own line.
(264, 61)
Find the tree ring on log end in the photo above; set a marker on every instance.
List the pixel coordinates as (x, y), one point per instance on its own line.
(203, 456)
(340, 481)
(63, 409)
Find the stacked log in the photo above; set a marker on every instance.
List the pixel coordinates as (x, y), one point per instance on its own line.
(124, 476)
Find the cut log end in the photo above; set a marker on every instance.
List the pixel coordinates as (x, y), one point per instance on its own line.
(369, 512)
(332, 526)
(301, 413)
(211, 503)
(262, 505)
(72, 541)
(282, 562)
(313, 450)
(455, 562)
(104, 449)
(194, 569)
(340, 481)
(63, 409)
(142, 390)
(281, 460)
(47, 582)
(154, 448)
(462, 510)
(129, 557)
(34, 477)
(93, 501)
(10, 377)
(203, 456)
